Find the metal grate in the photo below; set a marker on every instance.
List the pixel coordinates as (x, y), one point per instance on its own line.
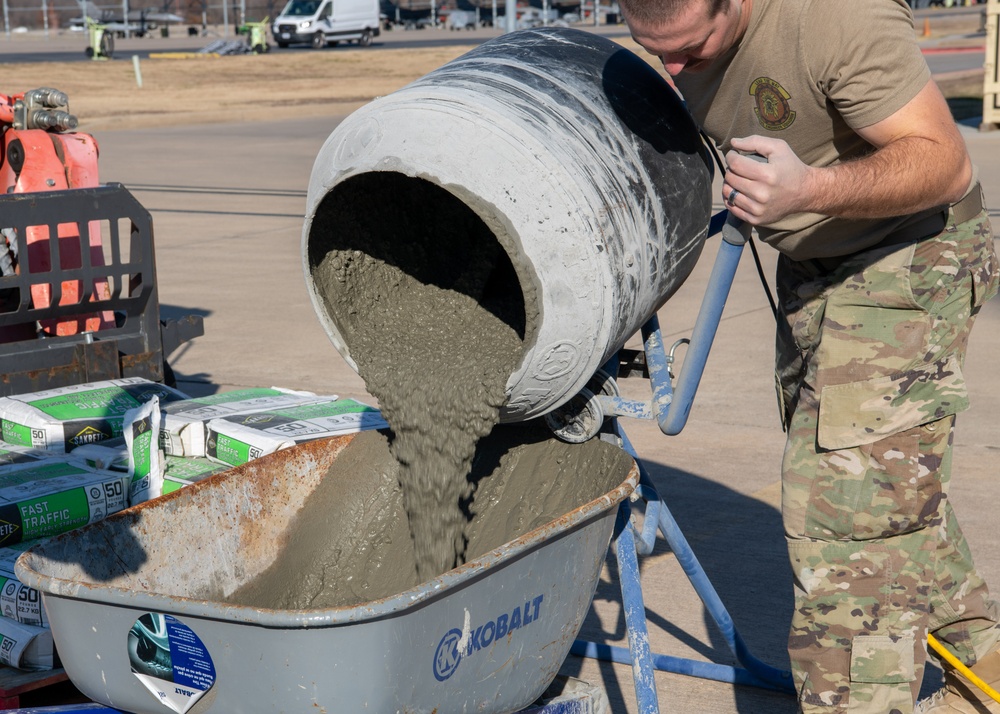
(78, 296)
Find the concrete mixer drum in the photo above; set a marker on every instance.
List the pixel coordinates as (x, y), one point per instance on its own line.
(567, 152)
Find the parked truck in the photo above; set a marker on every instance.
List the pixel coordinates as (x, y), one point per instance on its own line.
(323, 23)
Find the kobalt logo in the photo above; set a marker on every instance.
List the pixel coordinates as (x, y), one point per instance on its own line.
(457, 644)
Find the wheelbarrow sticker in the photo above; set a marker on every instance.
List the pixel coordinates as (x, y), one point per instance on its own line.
(458, 643)
(170, 660)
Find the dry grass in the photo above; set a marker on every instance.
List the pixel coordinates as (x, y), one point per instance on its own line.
(277, 85)
(104, 95)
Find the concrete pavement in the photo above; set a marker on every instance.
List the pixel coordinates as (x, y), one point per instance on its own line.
(227, 202)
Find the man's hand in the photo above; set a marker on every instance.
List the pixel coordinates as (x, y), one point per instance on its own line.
(919, 162)
(766, 192)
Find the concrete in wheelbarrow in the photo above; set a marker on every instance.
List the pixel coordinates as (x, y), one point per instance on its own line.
(227, 203)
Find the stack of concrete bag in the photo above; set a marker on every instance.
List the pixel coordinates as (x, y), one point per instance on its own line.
(73, 456)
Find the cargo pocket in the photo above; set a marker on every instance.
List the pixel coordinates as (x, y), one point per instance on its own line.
(841, 600)
(904, 484)
(880, 490)
(864, 412)
(884, 445)
(882, 659)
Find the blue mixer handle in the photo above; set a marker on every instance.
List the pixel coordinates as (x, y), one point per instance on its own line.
(734, 230)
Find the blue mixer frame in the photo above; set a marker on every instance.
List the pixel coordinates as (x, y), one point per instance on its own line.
(670, 408)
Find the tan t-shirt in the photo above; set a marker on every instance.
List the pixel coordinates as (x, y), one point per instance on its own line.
(810, 72)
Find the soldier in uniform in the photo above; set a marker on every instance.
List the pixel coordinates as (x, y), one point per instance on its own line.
(886, 257)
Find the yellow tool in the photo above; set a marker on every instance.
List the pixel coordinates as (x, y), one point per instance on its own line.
(966, 672)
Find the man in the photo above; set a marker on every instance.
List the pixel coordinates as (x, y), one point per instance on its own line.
(886, 257)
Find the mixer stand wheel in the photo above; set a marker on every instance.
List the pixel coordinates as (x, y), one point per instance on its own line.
(579, 420)
(603, 383)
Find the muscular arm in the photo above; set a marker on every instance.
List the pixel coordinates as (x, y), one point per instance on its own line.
(920, 162)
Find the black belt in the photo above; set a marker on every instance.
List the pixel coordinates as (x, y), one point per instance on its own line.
(970, 206)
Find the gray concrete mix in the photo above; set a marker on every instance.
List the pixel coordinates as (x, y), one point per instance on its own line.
(227, 201)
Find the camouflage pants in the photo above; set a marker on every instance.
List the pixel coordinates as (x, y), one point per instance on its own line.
(870, 358)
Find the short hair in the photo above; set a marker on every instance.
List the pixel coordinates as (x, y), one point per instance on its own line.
(655, 12)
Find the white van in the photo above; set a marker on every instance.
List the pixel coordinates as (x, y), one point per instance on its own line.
(326, 22)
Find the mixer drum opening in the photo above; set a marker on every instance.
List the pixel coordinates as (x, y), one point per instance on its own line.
(577, 157)
(375, 231)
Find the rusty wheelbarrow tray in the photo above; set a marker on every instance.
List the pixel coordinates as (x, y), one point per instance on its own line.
(134, 604)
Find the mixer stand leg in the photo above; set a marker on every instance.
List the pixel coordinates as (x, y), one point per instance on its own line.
(658, 519)
(670, 409)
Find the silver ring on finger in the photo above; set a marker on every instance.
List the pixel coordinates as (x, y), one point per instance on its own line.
(732, 196)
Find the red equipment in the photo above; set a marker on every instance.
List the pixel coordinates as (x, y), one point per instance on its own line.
(78, 295)
(40, 152)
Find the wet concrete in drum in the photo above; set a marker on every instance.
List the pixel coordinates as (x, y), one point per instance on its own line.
(429, 324)
(433, 314)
